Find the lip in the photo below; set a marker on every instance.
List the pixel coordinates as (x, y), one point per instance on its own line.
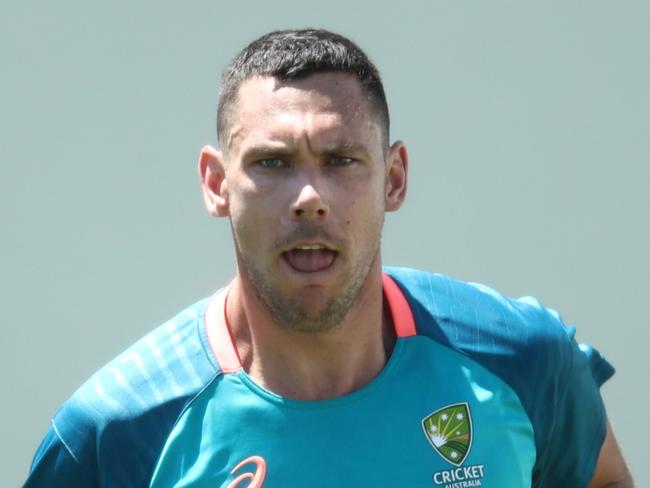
(310, 244)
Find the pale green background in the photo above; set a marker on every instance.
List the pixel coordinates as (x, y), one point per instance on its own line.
(528, 126)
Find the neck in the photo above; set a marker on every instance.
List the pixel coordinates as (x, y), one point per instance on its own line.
(312, 365)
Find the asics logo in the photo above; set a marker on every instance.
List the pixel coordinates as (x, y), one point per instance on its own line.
(255, 479)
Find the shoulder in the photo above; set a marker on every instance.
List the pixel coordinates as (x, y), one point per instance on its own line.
(473, 317)
(525, 344)
(518, 338)
(131, 403)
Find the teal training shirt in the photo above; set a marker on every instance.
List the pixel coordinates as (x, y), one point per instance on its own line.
(480, 390)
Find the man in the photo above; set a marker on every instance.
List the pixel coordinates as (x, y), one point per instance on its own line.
(315, 367)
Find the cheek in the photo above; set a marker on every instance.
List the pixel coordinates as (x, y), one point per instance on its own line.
(245, 197)
(364, 218)
(253, 215)
(364, 204)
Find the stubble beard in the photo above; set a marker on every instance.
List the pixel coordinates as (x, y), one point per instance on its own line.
(290, 313)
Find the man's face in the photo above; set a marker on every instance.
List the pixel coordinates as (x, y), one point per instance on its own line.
(307, 174)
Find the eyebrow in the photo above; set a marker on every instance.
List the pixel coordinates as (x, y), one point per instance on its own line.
(265, 150)
(344, 146)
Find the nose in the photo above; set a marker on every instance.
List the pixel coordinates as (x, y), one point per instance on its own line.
(309, 204)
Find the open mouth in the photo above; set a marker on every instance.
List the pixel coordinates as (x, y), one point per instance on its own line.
(309, 258)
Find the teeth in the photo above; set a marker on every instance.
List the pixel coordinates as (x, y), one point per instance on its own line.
(310, 246)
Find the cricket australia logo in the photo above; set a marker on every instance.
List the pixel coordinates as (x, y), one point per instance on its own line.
(449, 430)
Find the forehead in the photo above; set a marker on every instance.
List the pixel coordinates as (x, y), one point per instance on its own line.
(323, 105)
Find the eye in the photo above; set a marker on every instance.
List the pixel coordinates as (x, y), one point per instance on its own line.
(271, 163)
(340, 161)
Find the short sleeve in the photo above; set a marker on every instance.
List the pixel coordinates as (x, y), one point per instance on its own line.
(577, 421)
(54, 465)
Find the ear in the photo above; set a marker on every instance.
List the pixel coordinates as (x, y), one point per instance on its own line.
(396, 176)
(212, 173)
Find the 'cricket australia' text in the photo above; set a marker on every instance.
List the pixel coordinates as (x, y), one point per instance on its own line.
(464, 477)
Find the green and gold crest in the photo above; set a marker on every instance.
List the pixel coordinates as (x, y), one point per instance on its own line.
(449, 430)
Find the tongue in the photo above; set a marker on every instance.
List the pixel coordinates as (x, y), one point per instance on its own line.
(309, 260)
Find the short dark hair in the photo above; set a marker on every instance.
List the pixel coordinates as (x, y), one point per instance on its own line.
(294, 55)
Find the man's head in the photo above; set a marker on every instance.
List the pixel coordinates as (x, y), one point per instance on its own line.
(305, 175)
(294, 55)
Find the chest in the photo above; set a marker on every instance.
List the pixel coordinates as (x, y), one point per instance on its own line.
(426, 424)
